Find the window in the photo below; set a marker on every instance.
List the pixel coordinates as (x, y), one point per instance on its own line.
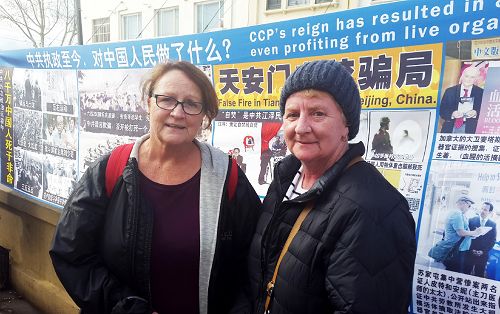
(273, 4)
(276, 4)
(209, 15)
(292, 3)
(131, 26)
(378, 1)
(100, 30)
(167, 22)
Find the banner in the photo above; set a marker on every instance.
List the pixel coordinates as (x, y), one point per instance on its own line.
(428, 74)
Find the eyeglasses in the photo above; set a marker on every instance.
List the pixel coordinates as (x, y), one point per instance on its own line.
(170, 103)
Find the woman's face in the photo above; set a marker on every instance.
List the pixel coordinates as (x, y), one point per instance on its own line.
(314, 125)
(174, 127)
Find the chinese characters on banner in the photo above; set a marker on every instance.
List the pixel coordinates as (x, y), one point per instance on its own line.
(429, 79)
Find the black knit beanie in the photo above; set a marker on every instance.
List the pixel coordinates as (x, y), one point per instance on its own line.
(331, 77)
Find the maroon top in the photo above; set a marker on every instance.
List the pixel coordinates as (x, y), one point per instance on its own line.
(175, 251)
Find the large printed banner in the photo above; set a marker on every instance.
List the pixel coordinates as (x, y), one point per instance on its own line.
(429, 77)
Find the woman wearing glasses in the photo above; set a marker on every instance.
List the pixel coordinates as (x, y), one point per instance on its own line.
(169, 239)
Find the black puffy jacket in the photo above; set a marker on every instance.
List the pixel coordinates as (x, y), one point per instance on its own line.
(354, 253)
(101, 249)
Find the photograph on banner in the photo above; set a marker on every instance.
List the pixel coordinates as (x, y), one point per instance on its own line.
(399, 135)
(460, 105)
(405, 77)
(60, 92)
(474, 136)
(110, 102)
(362, 135)
(458, 225)
(59, 178)
(27, 125)
(242, 141)
(28, 85)
(60, 131)
(205, 133)
(45, 90)
(489, 117)
(28, 171)
(272, 149)
(93, 146)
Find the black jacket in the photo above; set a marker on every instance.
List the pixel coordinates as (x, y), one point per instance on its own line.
(354, 253)
(485, 242)
(101, 249)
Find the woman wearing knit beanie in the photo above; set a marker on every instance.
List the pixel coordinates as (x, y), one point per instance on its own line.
(334, 235)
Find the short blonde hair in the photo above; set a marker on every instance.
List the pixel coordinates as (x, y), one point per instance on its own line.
(208, 95)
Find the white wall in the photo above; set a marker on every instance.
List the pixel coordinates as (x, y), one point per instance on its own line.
(235, 14)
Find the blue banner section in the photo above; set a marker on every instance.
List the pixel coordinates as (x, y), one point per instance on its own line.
(383, 26)
(428, 72)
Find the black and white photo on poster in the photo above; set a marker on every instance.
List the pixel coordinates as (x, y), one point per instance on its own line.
(53, 91)
(59, 178)
(60, 131)
(28, 171)
(61, 92)
(27, 126)
(399, 135)
(28, 85)
(111, 103)
(111, 90)
(93, 146)
(461, 195)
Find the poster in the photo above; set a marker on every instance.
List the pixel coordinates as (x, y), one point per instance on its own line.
(428, 74)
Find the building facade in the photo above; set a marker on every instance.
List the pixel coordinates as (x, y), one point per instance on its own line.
(104, 21)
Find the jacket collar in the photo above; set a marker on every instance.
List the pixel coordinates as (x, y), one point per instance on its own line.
(288, 167)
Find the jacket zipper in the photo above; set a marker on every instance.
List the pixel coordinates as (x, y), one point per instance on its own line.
(133, 220)
(147, 252)
(263, 257)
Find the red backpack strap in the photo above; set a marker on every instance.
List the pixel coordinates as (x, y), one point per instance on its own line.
(233, 180)
(116, 163)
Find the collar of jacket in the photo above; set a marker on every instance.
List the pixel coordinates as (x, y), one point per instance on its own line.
(288, 167)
